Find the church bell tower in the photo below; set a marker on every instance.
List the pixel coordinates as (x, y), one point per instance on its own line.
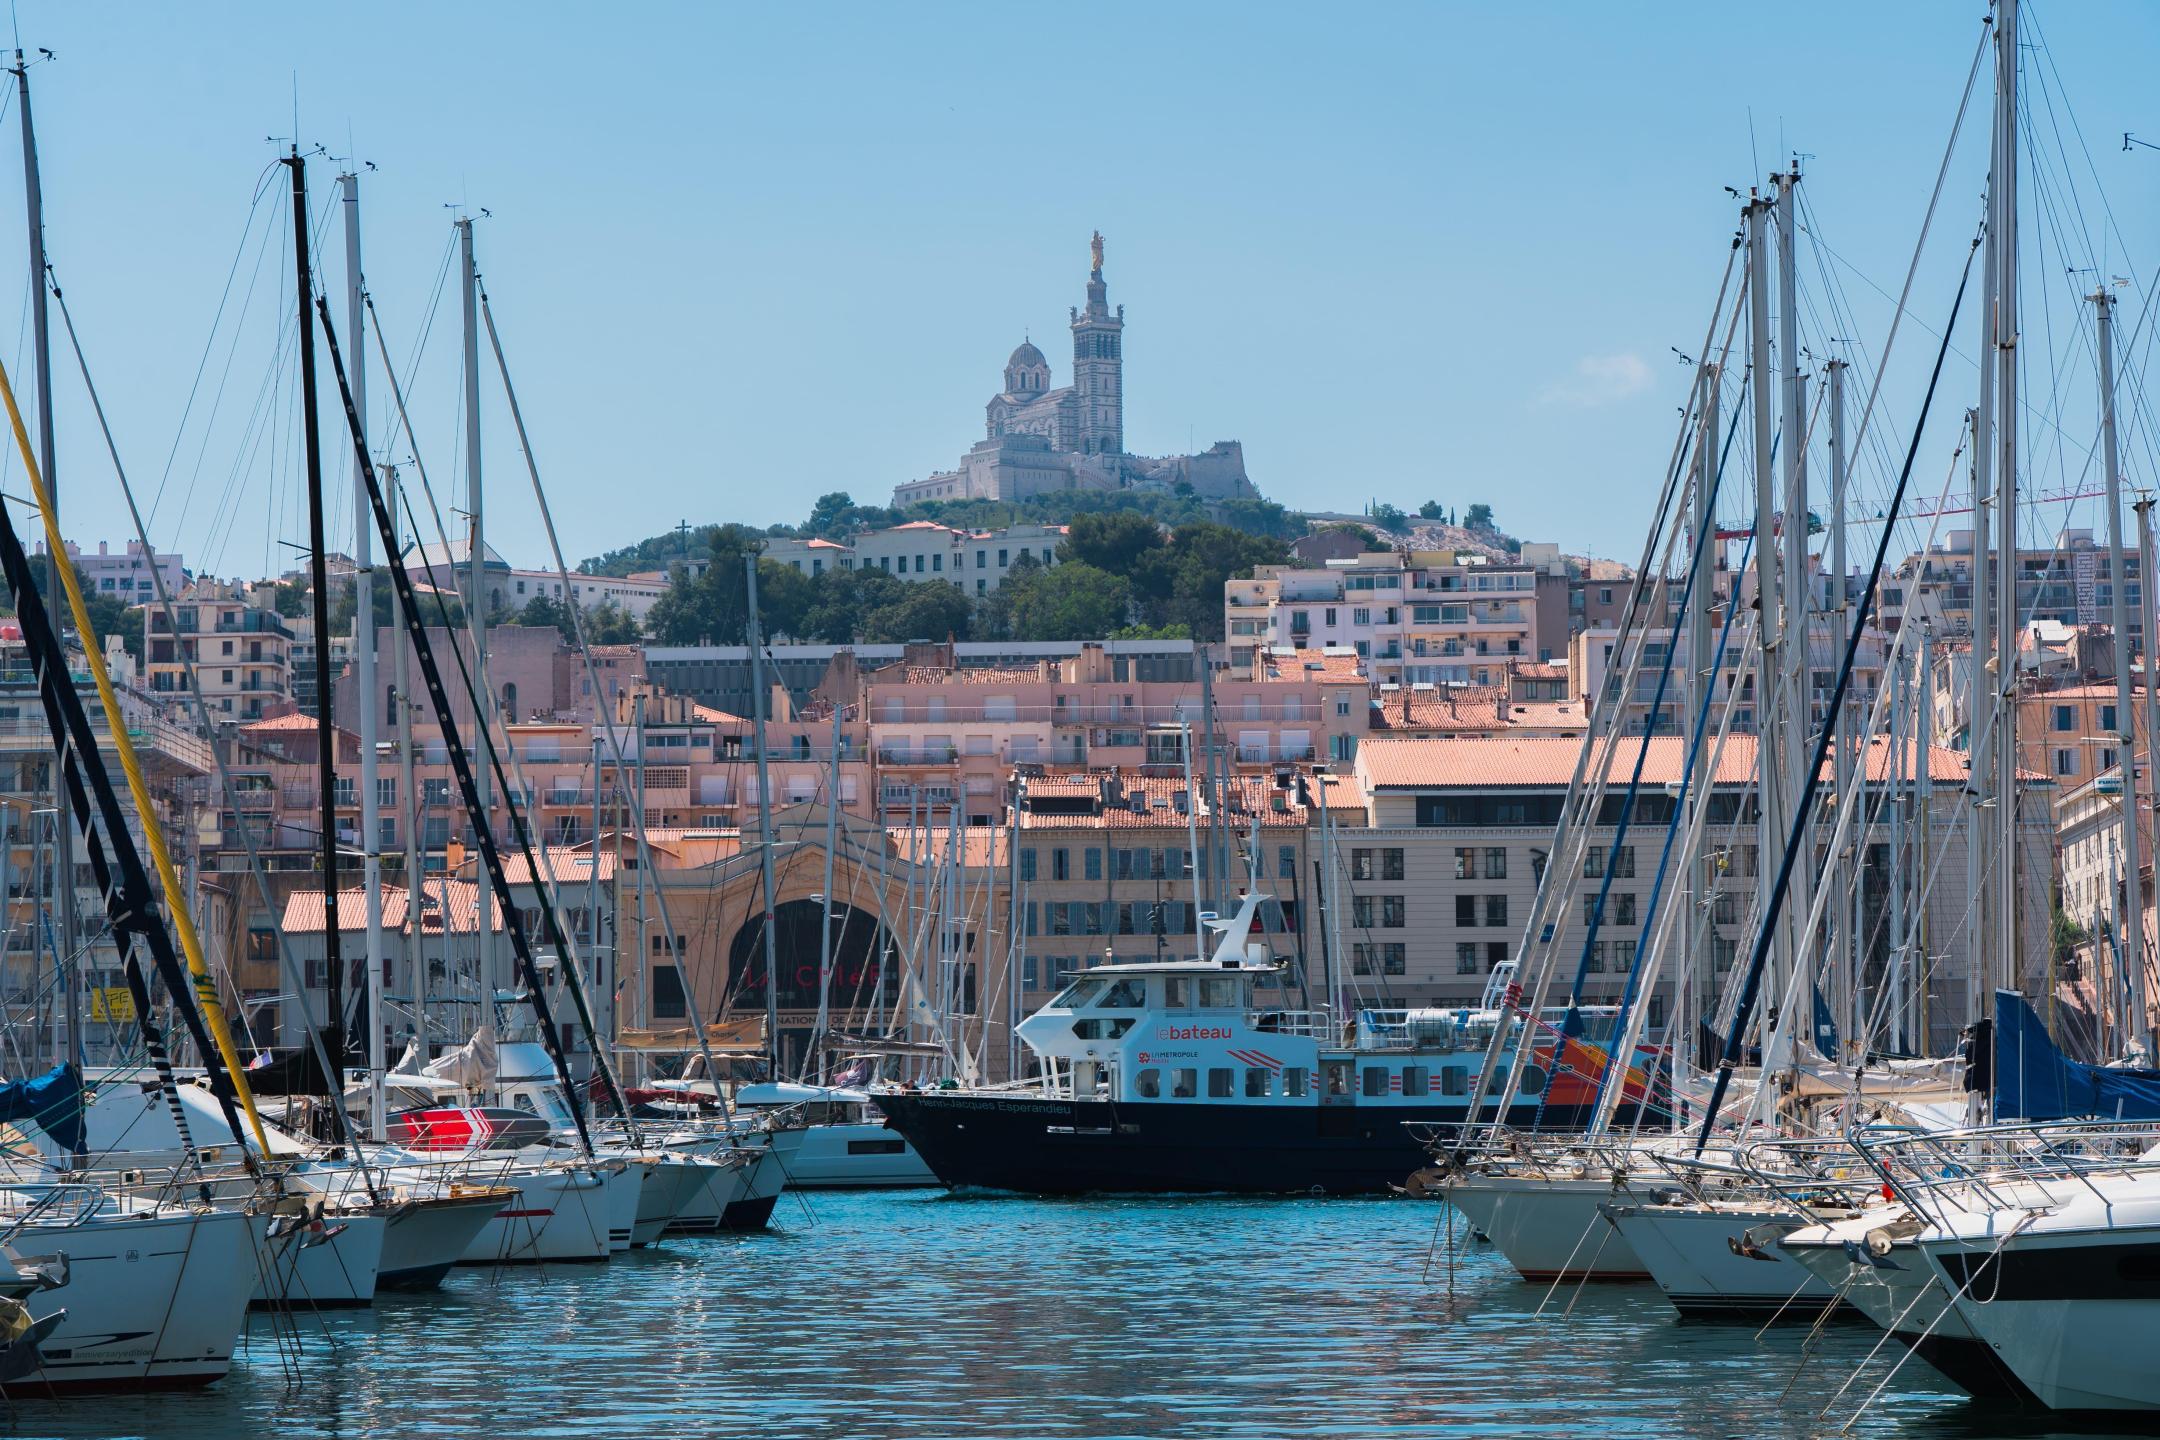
(1099, 364)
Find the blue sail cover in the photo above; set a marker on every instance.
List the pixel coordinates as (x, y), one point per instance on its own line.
(52, 1102)
(2035, 1081)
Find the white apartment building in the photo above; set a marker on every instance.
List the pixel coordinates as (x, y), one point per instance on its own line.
(976, 560)
(1422, 618)
(633, 594)
(127, 575)
(242, 650)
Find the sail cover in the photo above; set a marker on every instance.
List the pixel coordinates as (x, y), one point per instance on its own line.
(2035, 1081)
(52, 1102)
(471, 1065)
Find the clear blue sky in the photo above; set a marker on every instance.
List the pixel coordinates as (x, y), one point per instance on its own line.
(744, 255)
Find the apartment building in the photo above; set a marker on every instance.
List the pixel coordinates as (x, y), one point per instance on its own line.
(975, 560)
(1593, 653)
(1456, 836)
(130, 575)
(949, 736)
(1415, 617)
(720, 675)
(240, 646)
(1104, 871)
(2071, 583)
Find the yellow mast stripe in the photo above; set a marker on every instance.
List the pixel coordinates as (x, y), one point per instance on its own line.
(175, 900)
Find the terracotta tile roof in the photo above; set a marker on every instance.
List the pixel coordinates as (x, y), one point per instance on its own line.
(304, 909)
(980, 846)
(1065, 785)
(968, 675)
(715, 716)
(280, 723)
(1337, 664)
(563, 864)
(1471, 708)
(1538, 669)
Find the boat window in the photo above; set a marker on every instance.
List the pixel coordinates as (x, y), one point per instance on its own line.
(1218, 992)
(1148, 1084)
(1455, 1080)
(894, 1146)
(1376, 1080)
(1416, 1081)
(1533, 1081)
(1293, 1080)
(1177, 992)
(1077, 994)
(1338, 1077)
(1218, 1083)
(1093, 1029)
(1257, 1081)
(1184, 1083)
(523, 1101)
(1130, 993)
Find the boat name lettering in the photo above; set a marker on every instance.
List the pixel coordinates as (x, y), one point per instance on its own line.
(1193, 1032)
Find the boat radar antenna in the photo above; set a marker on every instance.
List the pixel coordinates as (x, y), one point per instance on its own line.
(1235, 951)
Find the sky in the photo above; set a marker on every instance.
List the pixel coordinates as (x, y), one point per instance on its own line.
(742, 256)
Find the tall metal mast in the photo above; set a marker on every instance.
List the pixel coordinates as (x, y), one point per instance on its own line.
(477, 616)
(1793, 638)
(2130, 910)
(2006, 481)
(1702, 665)
(409, 794)
(63, 835)
(1769, 780)
(765, 837)
(319, 577)
(1853, 963)
(364, 667)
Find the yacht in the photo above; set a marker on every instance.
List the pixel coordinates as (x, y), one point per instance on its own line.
(845, 1143)
(1170, 1076)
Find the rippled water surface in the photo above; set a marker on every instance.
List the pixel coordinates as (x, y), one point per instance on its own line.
(920, 1314)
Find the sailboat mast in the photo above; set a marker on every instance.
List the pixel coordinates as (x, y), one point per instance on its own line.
(41, 342)
(764, 811)
(319, 577)
(2006, 481)
(476, 559)
(2129, 919)
(408, 793)
(816, 1057)
(364, 670)
(1769, 783)
(1793, 637)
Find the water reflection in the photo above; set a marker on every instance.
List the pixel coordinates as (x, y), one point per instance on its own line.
(918, 1315)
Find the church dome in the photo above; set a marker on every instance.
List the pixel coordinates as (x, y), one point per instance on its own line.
(1027, 373)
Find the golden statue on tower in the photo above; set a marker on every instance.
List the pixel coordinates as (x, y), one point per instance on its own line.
(1095, 251)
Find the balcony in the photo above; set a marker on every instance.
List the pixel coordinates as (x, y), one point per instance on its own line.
(903, 755)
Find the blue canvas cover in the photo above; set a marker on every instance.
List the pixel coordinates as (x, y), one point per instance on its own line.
(52, 1102)
(2035, 1081)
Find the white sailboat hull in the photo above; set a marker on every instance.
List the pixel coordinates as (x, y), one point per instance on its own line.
(1548, 1227)
(702, 1208)
(1689, 1252)
(154, 1300)
(560, 1213)
(334, 1263)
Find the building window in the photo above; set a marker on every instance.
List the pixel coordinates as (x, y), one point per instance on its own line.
(1623, 862)
(1466, 911)
(1465, 864)
(1466, 962)
(1361, 909)
(982, 559)
(669, 1002)
(2066, 762)
(1285, 863)
(1391, 912)
(1027, 864)
(1060, 864)
(1496, 863)
(1623, 909)
(1391, 864)
(1496, 954)
(2065, 718)
(1496, 910)
(1725, 908)
(1093, 860)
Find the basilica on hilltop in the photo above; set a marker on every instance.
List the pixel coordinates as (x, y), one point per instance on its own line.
(1072, 437)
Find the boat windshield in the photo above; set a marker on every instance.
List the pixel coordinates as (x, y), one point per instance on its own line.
(1129, 993)
(1077, 994)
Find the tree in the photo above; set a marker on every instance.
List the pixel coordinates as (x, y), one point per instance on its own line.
(924, 610)
(1390, 518)
(1478, 517)
(714, 608)
(1115, 541)
(1071, 601)
(609, 624)
(1432, 510)
(544, 610)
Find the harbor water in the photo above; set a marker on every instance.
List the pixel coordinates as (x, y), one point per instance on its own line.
(918, 1314)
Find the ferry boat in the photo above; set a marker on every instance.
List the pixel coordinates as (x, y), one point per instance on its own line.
(1170, 1076)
